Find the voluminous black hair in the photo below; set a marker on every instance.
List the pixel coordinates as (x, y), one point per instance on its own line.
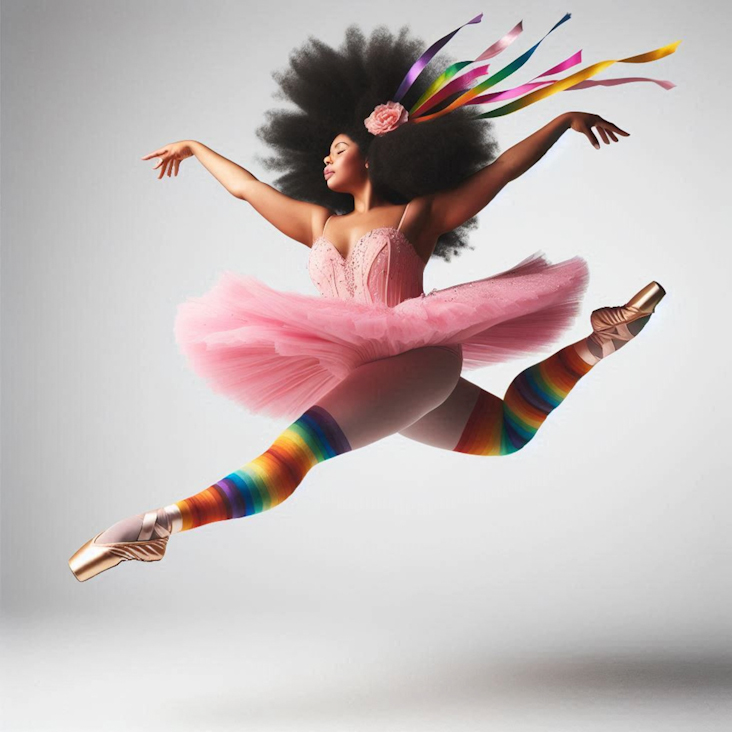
(336, 90)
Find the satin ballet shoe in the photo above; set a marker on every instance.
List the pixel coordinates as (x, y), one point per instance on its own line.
(610, 325)
(95, 557)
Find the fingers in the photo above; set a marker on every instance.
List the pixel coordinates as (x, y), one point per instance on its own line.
(167, 166)
(163, 160)
(610, 128)
(591, 137)
(169, 163)
(616, 128)
(605, 129)
(162, 151)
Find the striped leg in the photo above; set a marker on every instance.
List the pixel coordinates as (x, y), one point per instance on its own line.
(501, 427)
(376, 400)
(267, 480)
(476, 422)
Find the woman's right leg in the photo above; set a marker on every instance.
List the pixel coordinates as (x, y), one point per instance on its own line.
(375, 400)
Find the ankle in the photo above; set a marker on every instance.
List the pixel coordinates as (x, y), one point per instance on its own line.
(588, 351)
(172, 517)
(129, 529)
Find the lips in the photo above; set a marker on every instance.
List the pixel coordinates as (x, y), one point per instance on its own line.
(328, 173)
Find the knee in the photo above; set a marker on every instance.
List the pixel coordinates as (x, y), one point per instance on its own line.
(512, 447)
(513, 440)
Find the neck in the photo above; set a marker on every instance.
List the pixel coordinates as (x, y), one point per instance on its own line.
(365, 199)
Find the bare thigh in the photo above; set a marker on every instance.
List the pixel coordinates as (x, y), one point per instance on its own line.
(382, 397)
(444, 425)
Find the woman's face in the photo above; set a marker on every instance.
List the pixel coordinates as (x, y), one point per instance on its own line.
(345, 166)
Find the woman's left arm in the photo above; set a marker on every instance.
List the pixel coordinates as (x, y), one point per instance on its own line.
(452, 208)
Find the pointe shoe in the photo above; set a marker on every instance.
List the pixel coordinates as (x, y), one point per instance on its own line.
(94, 557)
(610, 325)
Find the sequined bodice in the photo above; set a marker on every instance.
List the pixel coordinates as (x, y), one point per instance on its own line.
(383, 266)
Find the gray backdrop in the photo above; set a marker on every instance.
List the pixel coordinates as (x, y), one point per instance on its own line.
(583, 583)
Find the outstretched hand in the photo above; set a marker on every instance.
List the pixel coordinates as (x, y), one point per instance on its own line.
(170, 156)
(584, 122)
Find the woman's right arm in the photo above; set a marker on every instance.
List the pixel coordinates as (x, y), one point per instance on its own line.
(229, 174)
(298, 220)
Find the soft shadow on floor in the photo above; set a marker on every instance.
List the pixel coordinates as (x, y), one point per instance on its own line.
(508, 686)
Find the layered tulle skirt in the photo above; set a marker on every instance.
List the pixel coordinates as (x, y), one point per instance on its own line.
(277, 353)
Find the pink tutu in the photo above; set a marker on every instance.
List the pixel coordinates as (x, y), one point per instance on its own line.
(277, 353)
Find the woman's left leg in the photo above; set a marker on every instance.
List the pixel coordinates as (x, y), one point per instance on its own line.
(474, 421)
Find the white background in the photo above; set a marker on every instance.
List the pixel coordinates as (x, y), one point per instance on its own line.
(582, 583)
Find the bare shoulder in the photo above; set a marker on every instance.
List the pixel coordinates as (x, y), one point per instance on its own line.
(421, 215)
(321, 214)
(420, 206)
(420, 228)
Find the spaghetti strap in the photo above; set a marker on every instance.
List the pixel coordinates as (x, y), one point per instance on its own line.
(326, 224)
(404, 213)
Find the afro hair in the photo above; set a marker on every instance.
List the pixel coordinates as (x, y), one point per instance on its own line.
(335, 90)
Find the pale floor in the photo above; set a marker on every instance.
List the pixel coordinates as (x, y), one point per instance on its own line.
(289, 672)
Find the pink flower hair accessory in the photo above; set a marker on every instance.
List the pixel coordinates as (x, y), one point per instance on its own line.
(386, 117)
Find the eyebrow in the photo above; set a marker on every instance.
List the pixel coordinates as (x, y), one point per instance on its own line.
(340, 142)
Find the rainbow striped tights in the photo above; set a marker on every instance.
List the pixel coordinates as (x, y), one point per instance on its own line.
(418, 394)
(270, 478)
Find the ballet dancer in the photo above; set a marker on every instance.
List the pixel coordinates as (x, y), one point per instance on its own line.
(374, 355)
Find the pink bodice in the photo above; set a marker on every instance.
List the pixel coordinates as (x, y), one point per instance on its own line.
(382, 267)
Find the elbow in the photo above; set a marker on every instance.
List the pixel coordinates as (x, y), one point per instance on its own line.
(239, 191)
(509, 170)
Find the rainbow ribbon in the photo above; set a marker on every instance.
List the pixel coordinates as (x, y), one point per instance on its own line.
(446, 85)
